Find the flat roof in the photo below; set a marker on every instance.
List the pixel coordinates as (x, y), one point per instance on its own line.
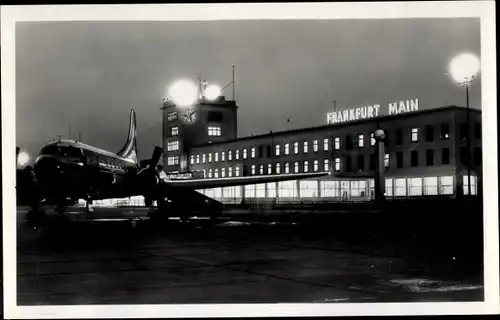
(343, 124)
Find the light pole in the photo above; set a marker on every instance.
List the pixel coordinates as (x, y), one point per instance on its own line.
(463, 69)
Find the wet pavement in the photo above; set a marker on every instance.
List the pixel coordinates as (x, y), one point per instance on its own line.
(229, 262)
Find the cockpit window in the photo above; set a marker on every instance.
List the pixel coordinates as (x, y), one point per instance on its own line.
(62, 151)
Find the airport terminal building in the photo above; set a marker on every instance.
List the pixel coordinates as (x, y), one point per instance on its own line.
(426, 152)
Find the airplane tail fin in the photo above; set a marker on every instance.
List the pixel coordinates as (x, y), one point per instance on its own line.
(129, 150)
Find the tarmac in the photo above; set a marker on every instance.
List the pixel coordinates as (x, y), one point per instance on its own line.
(226, 262)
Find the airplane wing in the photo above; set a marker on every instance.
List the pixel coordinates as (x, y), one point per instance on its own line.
(235, 181)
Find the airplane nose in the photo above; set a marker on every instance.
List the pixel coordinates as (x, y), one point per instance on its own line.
(46, 166)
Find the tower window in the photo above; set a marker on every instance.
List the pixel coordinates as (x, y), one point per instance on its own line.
(214, 131)
(173, 145)
(174, 131)
(171, 116)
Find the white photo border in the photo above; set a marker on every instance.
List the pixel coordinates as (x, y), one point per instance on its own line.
(485, 10)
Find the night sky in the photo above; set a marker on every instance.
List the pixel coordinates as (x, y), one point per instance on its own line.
(90, 74)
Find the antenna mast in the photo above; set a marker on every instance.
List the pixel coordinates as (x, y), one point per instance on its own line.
(233, 85)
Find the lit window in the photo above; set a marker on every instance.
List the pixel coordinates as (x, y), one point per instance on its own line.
(306, 146)
(216, 173)
(400, 187)
(237, 154)
(414, 186)
(337, 143)
(244, 153)
(315, 145)
(253, 169)
(287, 167)
(414, 135)
(278, 168)
(173, 145)
(229, 155)
(210, 173)
(386, 160)
(172, 116)
(214, 131)
(269, 168)
(337, 164)
(222, 156)
(253, 152)
(296, 167)
(210, 158)
(316, 165)
(223, 172)
(203, 158)
(230, 171)
(361, 140)
(171, 161)
(465, 181)
(372, 139)
(174, 131)
(261, 169)
(277, 149)
(192, 159)
(430, 186)
(306, 166)
(204, 173)
(325, 165)
(237, 171)
(198, 158)
(287, 148)
(296, 147)
(216, 157)
(325, 144)
(446, 185)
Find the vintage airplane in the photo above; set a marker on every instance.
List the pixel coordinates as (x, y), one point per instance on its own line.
(68, 170)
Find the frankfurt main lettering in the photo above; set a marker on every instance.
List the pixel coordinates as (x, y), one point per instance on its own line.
(370, 111)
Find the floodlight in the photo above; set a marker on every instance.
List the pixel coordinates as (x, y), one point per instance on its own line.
(22, 159)
(212, 92)
(464, 67)
(183, 93)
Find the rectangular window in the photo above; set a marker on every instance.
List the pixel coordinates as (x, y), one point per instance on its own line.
(210, 158)
(172, 161)
(269, 151)
(429, 133)
(372, 139)
(192, 159)
(400, 187)
(269, 169)
(361, 162)
(223, 172)
(308, 189)
(230, 155)
(198, 158)
(348, 164)
(261, 169)
(214, 131)
(388, 187)
(399, 137)
(386, 160)
(230, 171)
(325, 144)
(296, 167)
(253, 169)
(203, 158)
(477, 131)
(277, 168)
(214, 116)
(478, 156)
(210, 173)
(277, 149)
(174, 131)
(464, 156)
(287, 148)
(361, 140)
(295, 147)
(249, 191)
(445, 156)
(414, 134)
(252, 152)
(337, 164)
(337, 143)
(287, 167)
(216, 157)
(237, 154)
(348, 142)
(306, 166)
(171, 116)
(445, 131)
(465, 181)
(244, 153)
(414, 158)
(315, 145)
(446, 185)
(287, 189)
(173, 145)
(271, 190)
(430, 186)
(414, 186)
(316, 165)
(237, 171)
(325, 165)
(306, 147)
(222, 156)
(463, 131)
(399, 159)
(429, 157)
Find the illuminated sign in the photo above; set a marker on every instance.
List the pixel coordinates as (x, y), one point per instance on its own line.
(372, 111)
(180, 176)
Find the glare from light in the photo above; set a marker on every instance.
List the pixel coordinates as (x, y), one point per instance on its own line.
(212, 92)
(183, 93)
(22, 159)
(464, 67)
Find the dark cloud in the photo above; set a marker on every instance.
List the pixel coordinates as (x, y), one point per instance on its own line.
(91, 74)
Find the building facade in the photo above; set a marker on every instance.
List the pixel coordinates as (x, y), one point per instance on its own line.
(425, 155)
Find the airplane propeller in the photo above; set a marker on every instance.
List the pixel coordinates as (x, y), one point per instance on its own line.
(151, 177)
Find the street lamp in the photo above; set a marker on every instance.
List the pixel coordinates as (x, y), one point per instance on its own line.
(22, 159)
(463, 69)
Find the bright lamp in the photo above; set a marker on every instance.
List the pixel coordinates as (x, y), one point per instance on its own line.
(212, 92)
(464, 67)
(22, 159)
(183, 93)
